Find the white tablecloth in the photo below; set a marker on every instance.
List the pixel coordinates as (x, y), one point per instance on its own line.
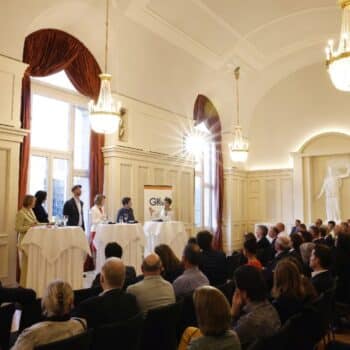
(129, 236)
(172, 233)
(54, 253)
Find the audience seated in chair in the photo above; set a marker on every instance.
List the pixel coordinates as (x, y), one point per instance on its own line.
(171, 265)
(320, 263)
(254, 316)
(250, 247)
(214, 320)
(57, 304)
(114, 250)
(264, 251)
(153, 291)
(305, 252)
(113, 304)
(213, 263)
(192, 278)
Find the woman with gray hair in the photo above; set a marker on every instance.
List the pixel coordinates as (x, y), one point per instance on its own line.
(57, 304)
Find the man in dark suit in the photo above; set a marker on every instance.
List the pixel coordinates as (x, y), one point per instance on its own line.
(296, 226)
(264, 251)
(316, 235)
(113, 304)
(73, 208)
(114, 250)
(126, 213)
(212, 262)
(320, 262)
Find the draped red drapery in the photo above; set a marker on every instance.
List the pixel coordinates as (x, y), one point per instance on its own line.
(48, 51)
(204, 111)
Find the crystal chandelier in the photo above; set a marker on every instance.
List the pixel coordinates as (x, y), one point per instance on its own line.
(338, 60)
(105, 115)
(239, 147)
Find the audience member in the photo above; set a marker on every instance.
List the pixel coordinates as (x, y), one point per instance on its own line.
(272, 235)
(192, 240)
(264, 252)
(113, 304)
(316, 236)
(249, 250)
(254, 317)
(330, 235)
(305, 252)
(281, 229)
(212, 263)
(345, 227)
(126, 213)
(320, 263)
(114, 250)
(56, 304)
(172, 267)
(331, 226)
(296, 226)
(297, 241)
(307, 237)
(153, 291)
(318, 222)
(192, 278)
(39, 210)
(282, 247)
(214, 320)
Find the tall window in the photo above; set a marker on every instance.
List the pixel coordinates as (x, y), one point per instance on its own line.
(60, 142)
(205, 212)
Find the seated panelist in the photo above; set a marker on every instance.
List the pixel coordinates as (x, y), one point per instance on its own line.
(126, 214)
(165, 213)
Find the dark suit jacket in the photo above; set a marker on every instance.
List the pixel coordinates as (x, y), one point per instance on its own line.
(287, 307)
(319, 241)
(17, 295)
(264, 251)
(213, 265)
(323, 281)
(71, 210)
(130, 278)
(329, 240)
(112, 307)
(126, 214)
(41, 213)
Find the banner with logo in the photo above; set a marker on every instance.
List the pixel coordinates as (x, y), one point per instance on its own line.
(154, 198)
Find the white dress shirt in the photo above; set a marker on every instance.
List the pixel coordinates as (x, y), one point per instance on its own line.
(97, 215)
(163, 215)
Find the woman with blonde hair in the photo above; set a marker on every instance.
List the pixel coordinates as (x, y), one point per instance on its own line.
(57, 304)
(214, 319)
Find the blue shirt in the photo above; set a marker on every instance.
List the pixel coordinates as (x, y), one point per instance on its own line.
(190, 280)
(126, 214)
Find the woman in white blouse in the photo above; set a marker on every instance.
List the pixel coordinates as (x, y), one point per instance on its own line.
(165, 213)
(97, 216)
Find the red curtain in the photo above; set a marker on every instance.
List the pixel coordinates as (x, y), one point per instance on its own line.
(204, 111)
(48, 51)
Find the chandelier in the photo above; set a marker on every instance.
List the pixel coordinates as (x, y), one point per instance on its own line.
(239, 147)
(338, 60)
(105, 114)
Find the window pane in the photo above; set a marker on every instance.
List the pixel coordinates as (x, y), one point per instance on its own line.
(207, 208)
(50, 123)
(59, 185)
(59, 79)
(198, 201)
(37, 174)
(207, 163)
(85, 196)
(81, 139)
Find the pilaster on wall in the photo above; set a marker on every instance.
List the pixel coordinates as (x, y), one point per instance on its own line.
(11, 136)
(128, 169)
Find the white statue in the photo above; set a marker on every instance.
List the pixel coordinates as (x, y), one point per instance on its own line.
(331, 190)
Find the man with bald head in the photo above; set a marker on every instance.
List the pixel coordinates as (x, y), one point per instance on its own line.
(113, 304)
(153, 291)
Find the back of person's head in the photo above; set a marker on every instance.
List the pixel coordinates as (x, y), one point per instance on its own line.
(262, 230)
(204, 240)
(28, 201)
(287, 280)
(112, 274)
(58, 299)
(323, 231)
(192, 240)
(297, 240)
(170, 261)
(315, 231)
(283, 243)
(306, 250)
(251, 281)
(151, 265)
(324, 255)
(40, 197)
(113, 250)
(250, 246)
(249, 235)
(126, 200)
(280, 227)
(302, 228)
(345, 227)
(192, 254)
(212, 310)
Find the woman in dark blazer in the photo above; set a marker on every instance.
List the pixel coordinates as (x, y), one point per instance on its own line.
(39, 210)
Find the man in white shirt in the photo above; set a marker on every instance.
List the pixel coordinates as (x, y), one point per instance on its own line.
(73, 208)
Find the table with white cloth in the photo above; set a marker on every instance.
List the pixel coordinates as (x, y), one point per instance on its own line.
(172, 233)
(54, 253)
(129, 236)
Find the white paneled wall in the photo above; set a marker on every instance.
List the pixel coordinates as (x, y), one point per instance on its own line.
(10, 138)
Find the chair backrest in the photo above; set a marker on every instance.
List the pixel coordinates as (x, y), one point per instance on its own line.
(78, 342)
(228, 290)
(125, 335)
(31, 314)
(159, 331)
(86, 293)
(6, 315)
(188, 316)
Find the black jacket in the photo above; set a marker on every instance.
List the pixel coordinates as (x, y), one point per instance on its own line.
(213, 265)
(264, 251)
(323, 281)
(287, 307)
(112, 307)
(130, 278)
(17, 295)
(40, 213)
(70, 209)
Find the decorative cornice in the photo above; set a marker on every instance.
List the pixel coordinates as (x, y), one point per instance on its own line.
(12, 134)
